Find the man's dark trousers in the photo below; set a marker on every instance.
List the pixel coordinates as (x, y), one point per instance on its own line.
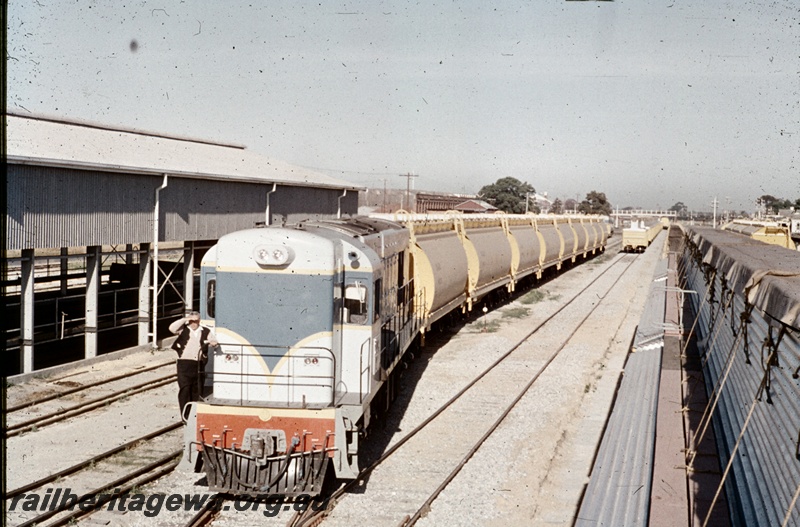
(188, 379)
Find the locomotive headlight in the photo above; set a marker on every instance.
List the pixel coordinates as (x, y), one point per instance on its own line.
(272, 255)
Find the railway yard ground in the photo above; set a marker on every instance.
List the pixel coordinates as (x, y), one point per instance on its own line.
(531, 470)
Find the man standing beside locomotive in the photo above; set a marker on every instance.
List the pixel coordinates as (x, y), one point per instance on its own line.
(192, 348)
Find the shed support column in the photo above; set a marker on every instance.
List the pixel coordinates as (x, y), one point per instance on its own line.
(64, 271)
(128, 253)
(93, 262)
(144, 294)
(188, 275)
(26, 312)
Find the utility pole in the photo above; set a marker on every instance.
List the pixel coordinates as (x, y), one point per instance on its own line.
(714, 224)
(408, 177)
(384, 196)
(727, 209)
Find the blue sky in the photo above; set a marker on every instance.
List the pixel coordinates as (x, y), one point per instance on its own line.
(649, 102)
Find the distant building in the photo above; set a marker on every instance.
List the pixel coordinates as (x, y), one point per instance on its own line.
(791, 217)
(474, 206)
(433, 202)
(542, 201)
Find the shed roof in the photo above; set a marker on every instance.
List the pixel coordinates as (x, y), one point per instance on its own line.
(475, 205)
(46, 141)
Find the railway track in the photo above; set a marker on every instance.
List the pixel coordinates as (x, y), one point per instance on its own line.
(60, 413)
(39, 400)
(80, 480)
(312, 518)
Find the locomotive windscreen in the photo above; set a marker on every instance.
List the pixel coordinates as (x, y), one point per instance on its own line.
(274, 310)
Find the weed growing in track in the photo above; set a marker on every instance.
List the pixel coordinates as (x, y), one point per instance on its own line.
(533, 297)
(537, 295)
(489, 327)
(515, 312)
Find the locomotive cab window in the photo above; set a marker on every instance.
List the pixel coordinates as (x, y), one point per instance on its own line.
(355, 304)
(211, 297)
(376, 300)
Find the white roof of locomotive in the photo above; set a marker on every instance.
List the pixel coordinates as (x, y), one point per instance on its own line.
(58, 142)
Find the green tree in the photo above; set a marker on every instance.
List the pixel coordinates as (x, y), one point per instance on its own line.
(595, 203)
(557, 207)
(680, 209)
(768, 201)
(507, 194)
(772, 204)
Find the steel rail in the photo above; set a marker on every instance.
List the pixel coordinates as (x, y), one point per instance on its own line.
(84, 387)
(75, 468)
(207, 513)
(309, 517)
(87, 406)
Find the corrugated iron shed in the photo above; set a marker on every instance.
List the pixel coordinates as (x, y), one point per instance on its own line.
(82, 184)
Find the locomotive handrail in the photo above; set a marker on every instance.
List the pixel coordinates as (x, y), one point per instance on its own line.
(229, 351)
(361, 369)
